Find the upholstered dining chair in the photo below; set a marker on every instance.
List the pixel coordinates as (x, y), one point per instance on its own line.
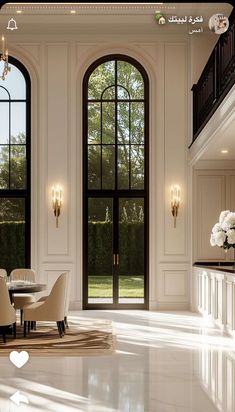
(22, 299)
(50, 310)
(67, 300)
(68, 287)
(3, 273)
(7, 312)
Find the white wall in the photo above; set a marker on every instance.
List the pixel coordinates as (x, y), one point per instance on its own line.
(213, 192)
(200, 52)
(56, 66)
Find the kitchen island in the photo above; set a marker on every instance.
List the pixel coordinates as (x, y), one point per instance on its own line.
(214, 293)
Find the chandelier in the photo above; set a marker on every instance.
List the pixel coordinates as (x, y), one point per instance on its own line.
(4, 59)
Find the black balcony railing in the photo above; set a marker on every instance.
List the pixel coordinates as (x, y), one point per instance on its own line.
(216, 80)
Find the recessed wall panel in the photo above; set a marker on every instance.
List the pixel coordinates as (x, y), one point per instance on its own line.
(57, 144)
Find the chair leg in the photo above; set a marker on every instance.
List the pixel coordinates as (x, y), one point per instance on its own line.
(25, 327)
(28, 326)
(21, 317)
(14, 330)
(60, 329)
(4, 334)
(63, 326)
(66, 322)
(34, 325)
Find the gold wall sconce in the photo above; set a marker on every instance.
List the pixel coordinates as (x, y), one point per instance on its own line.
(57, 201)
(4, 59)
(175, 201)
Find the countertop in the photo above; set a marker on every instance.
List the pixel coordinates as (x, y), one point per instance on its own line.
(219, 266)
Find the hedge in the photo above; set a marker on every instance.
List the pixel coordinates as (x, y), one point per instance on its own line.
(100, 253)
(100, 249)
(12, 245)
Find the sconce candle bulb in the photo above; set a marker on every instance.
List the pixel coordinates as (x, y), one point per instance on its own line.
(57, 201)
(175, 201)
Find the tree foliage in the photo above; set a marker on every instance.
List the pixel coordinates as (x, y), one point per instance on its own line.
(13, 176)
(123, 118)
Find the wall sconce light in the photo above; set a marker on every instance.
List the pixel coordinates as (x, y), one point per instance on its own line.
(175, 201)
(57, 201)
(4, 59)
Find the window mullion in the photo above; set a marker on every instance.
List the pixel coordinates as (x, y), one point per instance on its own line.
(101, 144)
(116, 123)
(9, 149)
(130, 145)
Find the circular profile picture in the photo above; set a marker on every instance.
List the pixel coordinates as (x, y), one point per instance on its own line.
(218, 23)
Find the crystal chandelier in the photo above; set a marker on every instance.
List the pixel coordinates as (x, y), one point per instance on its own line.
(4, 59)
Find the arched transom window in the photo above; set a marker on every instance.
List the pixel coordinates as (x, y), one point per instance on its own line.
(116, 126)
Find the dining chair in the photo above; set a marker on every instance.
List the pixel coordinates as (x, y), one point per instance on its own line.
(3, 273)
(7, 312)
(67, 300)
(50, 310)
(21, 299)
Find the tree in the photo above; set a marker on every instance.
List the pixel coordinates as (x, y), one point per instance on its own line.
(130, 126)
(13, 176)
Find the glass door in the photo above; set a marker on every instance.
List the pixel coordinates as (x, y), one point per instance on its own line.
(131, 251)
(100, 251)
(116, 252)
(115, 208)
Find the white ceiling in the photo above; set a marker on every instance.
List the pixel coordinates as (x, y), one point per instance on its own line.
(222, 141)
(90, 17)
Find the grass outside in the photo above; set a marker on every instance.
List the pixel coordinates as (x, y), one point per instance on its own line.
(129, 287)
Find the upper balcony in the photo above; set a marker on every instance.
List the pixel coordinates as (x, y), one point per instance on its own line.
(216, 80)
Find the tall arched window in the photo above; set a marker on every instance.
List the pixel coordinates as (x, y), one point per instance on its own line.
(115, 124)
(15, 167)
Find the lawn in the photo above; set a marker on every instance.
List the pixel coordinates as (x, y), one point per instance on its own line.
(129, 287)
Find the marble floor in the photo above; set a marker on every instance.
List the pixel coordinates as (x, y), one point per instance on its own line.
(165, 362)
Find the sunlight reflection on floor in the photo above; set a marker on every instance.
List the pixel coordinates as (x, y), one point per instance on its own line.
(43, 398)
(164, 362)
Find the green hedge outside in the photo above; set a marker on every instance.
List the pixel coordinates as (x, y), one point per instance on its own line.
(100, 253)
(12, 245)
(131, 248)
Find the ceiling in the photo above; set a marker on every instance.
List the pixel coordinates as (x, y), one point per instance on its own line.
(222, 141)
(34, 18)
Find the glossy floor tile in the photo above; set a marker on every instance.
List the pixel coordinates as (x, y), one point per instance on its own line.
(165, 362)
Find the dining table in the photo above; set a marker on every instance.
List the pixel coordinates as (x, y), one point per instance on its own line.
(15, 287)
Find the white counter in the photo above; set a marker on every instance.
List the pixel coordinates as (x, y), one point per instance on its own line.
(214, 295)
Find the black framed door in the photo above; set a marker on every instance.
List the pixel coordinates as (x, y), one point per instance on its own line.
(115, 183)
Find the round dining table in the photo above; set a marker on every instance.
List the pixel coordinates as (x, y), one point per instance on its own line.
(15, 287)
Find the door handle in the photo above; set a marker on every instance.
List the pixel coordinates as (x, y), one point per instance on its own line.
(115, 259)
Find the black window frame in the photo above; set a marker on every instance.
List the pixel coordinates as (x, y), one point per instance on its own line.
(120, 193)
(23, 193)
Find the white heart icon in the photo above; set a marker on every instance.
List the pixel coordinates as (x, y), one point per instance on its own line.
(19, 359)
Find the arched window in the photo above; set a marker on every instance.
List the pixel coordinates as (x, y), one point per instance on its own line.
(115, 125)
(15, 167)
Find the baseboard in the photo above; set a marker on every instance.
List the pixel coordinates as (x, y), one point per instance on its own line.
(173, 306)
(75, 305)
(153, 305)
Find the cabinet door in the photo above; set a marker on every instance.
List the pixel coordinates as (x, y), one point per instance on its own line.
(209, 201)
